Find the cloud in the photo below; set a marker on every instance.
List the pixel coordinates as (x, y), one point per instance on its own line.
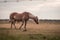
(44, 10)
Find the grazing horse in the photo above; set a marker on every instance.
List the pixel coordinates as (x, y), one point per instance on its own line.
(23, 17)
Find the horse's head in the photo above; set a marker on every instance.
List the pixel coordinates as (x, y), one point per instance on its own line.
(36, 20)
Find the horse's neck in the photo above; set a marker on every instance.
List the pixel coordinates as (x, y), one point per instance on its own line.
(31, 16)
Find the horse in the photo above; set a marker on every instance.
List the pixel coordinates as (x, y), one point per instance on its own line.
(22, 17)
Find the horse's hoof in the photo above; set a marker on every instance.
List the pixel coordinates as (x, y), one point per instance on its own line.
(24, 30)
(16, 29)
(19, 28)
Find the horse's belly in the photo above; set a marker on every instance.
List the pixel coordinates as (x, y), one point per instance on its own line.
(18, 19)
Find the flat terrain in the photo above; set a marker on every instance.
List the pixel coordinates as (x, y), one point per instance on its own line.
(43, 28)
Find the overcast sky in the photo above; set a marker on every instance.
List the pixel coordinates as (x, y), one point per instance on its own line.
(42, 9)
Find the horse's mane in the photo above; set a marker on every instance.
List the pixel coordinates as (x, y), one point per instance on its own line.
(30, 14)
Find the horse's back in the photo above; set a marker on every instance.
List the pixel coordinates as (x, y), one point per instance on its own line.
(19, 16)
(22, 16)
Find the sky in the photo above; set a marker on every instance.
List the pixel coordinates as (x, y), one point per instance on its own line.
(42, 9)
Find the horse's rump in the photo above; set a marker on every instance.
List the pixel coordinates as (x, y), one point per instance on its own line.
(12, 15)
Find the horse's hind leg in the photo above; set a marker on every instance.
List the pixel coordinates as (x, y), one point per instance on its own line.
(11, 25)
(25, 26)
(21, 25)
(14, 25)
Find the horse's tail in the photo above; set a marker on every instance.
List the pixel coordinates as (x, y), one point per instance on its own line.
(9, 21)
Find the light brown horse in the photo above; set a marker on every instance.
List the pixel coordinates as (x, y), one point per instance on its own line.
(23, 17)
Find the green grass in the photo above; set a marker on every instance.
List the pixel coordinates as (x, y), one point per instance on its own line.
(7, 36)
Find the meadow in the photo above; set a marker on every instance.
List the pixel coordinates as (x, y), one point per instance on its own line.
(45, 30)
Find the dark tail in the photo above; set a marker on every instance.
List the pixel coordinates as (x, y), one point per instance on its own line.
(9, 21)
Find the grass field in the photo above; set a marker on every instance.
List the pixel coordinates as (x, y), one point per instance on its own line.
(45, 30)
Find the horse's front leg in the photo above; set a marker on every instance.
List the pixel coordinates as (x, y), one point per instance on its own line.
(21, 24)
